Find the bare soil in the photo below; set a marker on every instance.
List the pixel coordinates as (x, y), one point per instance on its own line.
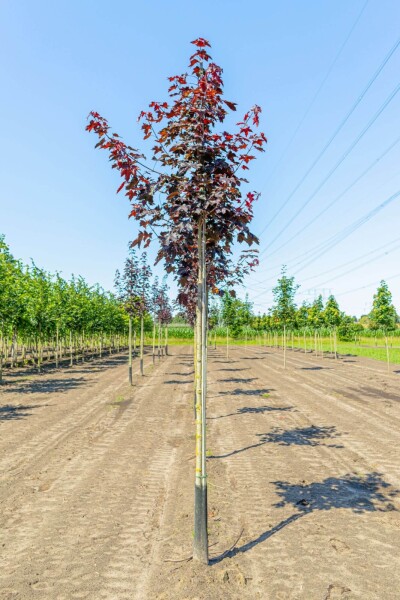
(97, 480)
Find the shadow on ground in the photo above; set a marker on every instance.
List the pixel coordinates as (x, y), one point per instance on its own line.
(235, 370)
(300, 436)
(359, 494)
(14, 412)
(88, 366)
(238, 380)
(241, 392)
(255, 410)
(46, 386)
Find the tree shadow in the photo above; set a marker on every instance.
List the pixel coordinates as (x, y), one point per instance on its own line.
(313, 368)
(238, 380)
(46, 386)
(180, 373)
(225, 360)
(300, 436)
(178, 381)
(360, 494)
(90, 365)
(12, 412)
(241, 392)
(255, 410)
(234, 370)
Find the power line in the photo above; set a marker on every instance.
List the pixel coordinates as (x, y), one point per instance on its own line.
(339, 237)
(337, 165)
(337, 198)
(327, 245)
(349, 262)
(305, 115)
(362, 287)
(357, 259)
(337, 130)
(297, 260)
(360, 266)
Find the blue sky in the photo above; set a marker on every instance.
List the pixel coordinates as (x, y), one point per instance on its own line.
(305, 62)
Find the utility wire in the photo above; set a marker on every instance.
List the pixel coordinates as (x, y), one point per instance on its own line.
(337, 165)
(369, 261)
(317, 93)
(362, 287)
(324, 247)
(337, 198)
(339, 237)
(297, 260)
(349, 262)
(336, 132)
(356, 259)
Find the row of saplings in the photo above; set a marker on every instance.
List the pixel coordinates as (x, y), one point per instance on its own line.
(140, 306)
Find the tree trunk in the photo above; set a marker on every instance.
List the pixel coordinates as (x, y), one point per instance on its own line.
(335, 343)
(1, 356)
(57, 346)
(200, 546)
(227, 342)
(141, 344)
(130, 351)
(195, 370)
(39, 354)
(12, 351)
(387, 353)
(284, 346)
(166, 340)
(71, 359)
(154, 341)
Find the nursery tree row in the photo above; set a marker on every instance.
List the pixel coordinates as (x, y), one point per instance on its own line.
(44, 317)
(239, 317)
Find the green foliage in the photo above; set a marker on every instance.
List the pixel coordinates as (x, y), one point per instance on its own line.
(348, 329)
(331, 313)
(302, 315)
(284, 310)
(35, 304)
(236, 314)
(383, 314)
(316, 313)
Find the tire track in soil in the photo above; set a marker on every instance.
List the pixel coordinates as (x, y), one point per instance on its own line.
(252, 470)
(378, 448)
(123, 505)
(79, 425)
(89, 532)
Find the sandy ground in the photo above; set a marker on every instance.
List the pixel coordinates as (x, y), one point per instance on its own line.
(97, 480)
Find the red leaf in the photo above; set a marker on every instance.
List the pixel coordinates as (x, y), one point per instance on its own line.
(120, 187)
(200, 43)
(232, 105)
